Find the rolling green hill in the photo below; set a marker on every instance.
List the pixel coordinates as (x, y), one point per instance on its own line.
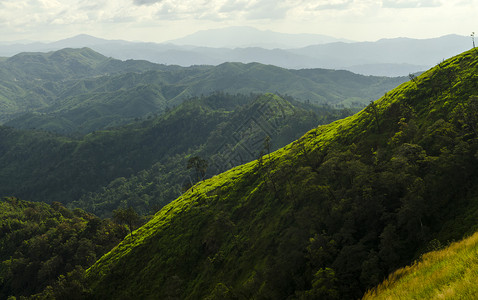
(94, 111)
(449, 273)
(328, 216)
(35, 81)
(79, 90)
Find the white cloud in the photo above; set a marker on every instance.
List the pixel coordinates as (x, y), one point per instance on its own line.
(146, 2)
(335, 5)
(410, 3)
(268, 9)
(186, 9)
(233, 6)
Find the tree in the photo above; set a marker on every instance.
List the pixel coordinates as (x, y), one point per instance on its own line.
(324, 286)
(200, 165)
(413, 78)
(126, 216)
(372, 108)
(267, 145)
(473, 38)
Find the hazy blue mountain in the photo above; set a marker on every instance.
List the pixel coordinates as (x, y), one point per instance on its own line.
(385, 69)
(387, 57)
(419, 52)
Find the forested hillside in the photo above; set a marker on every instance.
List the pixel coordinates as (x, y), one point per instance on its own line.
(328, 216)
(144, 164)
(80, 91)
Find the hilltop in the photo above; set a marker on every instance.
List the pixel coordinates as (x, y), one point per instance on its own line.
(329, 215)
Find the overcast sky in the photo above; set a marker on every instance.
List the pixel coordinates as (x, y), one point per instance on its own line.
(161, 20)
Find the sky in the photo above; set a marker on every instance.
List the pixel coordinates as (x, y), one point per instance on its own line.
(162, 20)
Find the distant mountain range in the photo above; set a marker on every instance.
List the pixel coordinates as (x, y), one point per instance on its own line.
(387, 57)
(245, 37)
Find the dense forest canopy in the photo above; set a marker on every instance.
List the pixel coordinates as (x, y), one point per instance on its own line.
(40, 242)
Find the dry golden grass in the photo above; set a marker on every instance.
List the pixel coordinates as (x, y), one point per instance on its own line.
(451, 273)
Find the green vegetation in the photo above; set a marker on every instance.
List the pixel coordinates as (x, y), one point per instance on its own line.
(199, 165)
(80, 91)
(40, 242)
(445, 274)
(329, 215)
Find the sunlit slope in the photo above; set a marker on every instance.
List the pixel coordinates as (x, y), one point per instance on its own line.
(450, 273)
(328, 216)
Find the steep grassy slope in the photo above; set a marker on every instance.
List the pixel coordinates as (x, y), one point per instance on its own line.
(327, 216)
(445, 274)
